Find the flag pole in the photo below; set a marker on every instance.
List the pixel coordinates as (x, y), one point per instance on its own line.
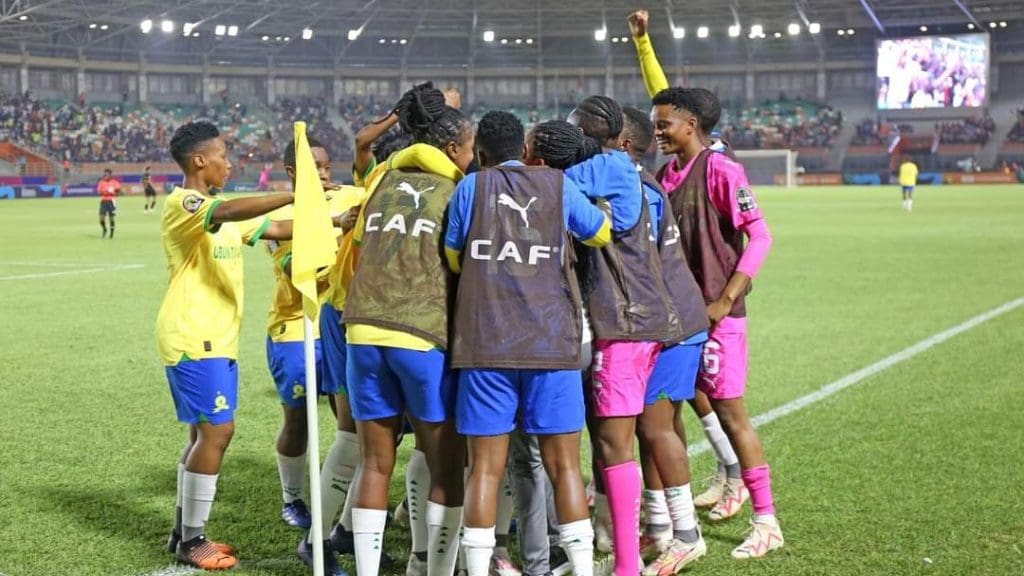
(313, 449)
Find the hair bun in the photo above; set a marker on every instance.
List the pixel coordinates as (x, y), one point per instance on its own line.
(420, 107)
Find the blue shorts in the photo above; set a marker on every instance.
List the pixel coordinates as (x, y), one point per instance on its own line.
(675, 373)
(287, 363)
(204, 390)
(333, 344)
(545, 401)
(385, 382)
(908, 189)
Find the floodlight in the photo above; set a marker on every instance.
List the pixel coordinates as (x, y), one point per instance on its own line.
(814, 28)
(601, 34)
(678, 32)
(794, 29)
(734, 31)
(167, 26)
(232, 30)
(488, 35)
(307, 34)
(702, 32)
(220, 29)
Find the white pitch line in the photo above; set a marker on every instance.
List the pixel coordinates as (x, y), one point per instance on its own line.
(44, 264)
(72, 272)
(780, 411)
(869, 371)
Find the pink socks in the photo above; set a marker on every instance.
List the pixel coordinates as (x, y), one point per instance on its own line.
(759, 483)
(622, 484)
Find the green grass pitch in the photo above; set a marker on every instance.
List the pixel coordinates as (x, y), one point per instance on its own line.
(916, 470)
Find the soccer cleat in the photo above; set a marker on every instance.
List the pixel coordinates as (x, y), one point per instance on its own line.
(415, 567)
(342, 540)
(713, 494)
(201, 553)
(765, 536)
(501, 565)
(677, 555)
(732, 501)
(296, 514)
(558, 562)
(401, 515)
(331, 567)
(175, 537)
(652, 546)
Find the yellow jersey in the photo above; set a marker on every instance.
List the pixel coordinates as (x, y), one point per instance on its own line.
(201, 314)
(908, 174)
(344, 266)
(284, 321)
(418, 157)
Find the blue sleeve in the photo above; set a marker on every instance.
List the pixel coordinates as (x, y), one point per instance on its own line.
(460, 213)
(586, 175)
(582, 219)
(655, 207)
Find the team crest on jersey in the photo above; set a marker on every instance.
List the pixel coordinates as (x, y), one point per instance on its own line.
(745, 200)
(192, 203)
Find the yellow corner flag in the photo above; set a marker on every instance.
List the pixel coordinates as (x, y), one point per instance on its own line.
(314, 243)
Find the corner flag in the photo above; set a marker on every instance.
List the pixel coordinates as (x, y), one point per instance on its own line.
(313, 247)
(314, 243)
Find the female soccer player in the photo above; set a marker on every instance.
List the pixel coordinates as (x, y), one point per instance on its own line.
(199, 320)
(506, 239)
(285, 360)
(716, 209)
(726, 494)
(630, 311)
(396, 317)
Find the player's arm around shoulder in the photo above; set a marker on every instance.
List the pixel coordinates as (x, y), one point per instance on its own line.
(584, 221)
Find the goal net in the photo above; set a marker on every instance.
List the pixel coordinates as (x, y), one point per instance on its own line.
(769, 167)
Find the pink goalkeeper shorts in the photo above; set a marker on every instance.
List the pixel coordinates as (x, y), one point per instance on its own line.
(621, 370)
(723, 370)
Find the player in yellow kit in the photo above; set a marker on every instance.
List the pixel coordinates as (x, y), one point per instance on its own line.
(199, 322)
(285, 356)
(908, 180)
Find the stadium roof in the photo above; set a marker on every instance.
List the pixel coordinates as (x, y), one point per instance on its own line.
(345, 32)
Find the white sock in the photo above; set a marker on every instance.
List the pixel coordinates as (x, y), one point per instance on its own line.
(504, 507)
(336, 476)
(292, 470)
(719, 441)
(656, 511)
(417, 489)
(478, 544)
(577, 540)
(368, 535)
(442, 538)
(179, 489)
(197, 500)
(350, 499)
(680, 507)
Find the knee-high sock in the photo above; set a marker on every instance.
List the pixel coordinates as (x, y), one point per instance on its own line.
(759, 483)
(417, 488)
(197, 500)
(443, 538)
(368, 536)
(336, 476)
(622, 485)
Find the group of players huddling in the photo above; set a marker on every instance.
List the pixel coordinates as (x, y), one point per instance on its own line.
(471, 266)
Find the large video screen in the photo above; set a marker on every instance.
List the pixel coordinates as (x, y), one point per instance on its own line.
(928, 72)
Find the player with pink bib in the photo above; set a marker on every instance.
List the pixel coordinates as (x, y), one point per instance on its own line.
(716, 210)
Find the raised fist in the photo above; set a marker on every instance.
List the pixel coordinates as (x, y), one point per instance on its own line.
(638, 23)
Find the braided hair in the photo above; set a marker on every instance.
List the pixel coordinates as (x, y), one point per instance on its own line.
(390, 142)
(422, 113)
(600, 117)
(561, 145)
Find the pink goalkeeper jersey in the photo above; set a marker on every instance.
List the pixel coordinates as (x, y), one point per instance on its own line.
(730, 193)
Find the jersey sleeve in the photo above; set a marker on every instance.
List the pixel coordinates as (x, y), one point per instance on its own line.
(730, 193)
(460, 213)
(252, 230)
(654, 77)
(188, 215)
(584, 220)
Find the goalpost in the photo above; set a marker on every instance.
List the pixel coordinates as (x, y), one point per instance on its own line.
(769, 167)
